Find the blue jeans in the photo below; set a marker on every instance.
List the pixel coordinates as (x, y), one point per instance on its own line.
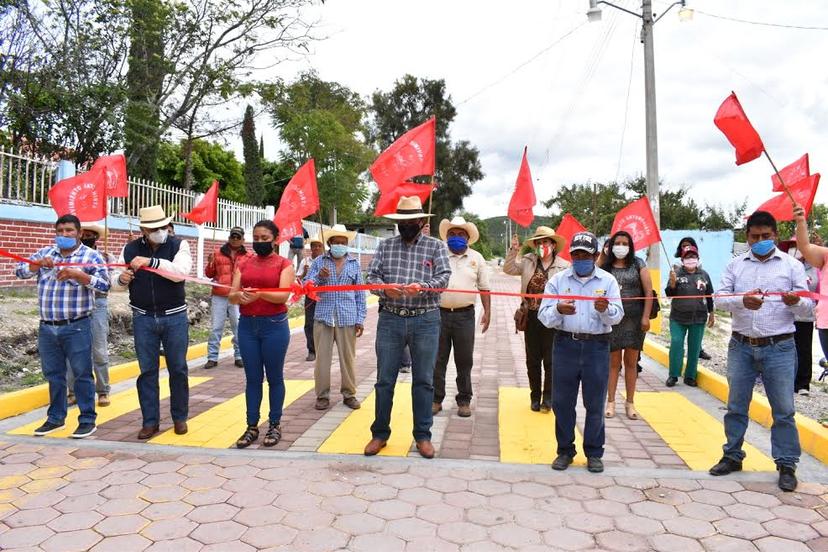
(220, 311)
(150, 332)
(777, 364)
(585, 364)
(59, 347)
(422, 335)
(100, 349)
(263, 341)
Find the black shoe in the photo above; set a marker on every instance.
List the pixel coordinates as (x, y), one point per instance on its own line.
(535, 406)
(671, 381)
(691, 382)
(210, 364)
(47, 428)
(787, 478)
(561, 462)
(725, 466)
(704, 355)
(405, 369)
(638, 368)
(311, 357)
(546, 406)
(84, 430)
(239, 363)
(595, 465)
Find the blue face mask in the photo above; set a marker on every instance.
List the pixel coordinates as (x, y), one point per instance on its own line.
(762, 248)
(338, 250)
(65, 242)
(457, 244)
(583, 267)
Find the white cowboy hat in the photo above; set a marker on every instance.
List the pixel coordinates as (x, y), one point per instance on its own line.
(94, 227)
(409, 208)
(153, 217)
(337, 230)
(546, 232)
(459, 222)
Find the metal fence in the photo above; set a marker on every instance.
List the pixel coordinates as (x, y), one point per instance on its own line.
(25, 178)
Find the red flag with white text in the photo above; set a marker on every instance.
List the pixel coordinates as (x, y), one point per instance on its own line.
(792, 174)
(412, 154)
(803, 193)
(115, 169)
(734, 124)
(523, 198)
(637, 218)
(388, 199)
(299, 200)
(568, 227)
(83, 195)
(207, 208)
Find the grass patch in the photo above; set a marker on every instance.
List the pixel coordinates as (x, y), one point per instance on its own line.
(28, 292)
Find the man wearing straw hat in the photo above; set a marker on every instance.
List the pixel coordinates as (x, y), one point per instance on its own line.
(159, 315)
(339, 317)
(469, 271)
(409, 315)
(90, 234)
(316, 249)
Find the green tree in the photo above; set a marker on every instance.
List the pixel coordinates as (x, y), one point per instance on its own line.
(411, 102)
(210, 161)
(252, 159)
(594, 204)
(323, 120)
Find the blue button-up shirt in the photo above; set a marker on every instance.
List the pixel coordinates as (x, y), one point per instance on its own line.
(779, 272)
(67, 299)
(338, 308)
(586, 319)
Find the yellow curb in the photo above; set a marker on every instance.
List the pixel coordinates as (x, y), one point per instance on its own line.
(813, 437)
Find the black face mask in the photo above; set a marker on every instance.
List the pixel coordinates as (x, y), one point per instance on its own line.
(90, 242)
(409, 230)
(263, 249)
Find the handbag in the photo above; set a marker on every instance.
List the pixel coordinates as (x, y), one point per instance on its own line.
(521, 318)
(656, 306)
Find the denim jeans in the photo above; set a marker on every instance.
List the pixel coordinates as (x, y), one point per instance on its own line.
(100, 349)
(422, 335)
(220, 311)
(60, 346)
(457, 329)
(263, 341)
(804, 338)
(150, 332)
(585, 364)
(777, 364)
(694, 334)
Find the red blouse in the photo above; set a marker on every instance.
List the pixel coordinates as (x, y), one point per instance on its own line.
(262, 272)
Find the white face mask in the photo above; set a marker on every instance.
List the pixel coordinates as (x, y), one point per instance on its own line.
(159, 236)
(620, 251)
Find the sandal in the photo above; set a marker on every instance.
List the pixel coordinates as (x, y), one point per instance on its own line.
(274, 433)
(610, 413)
(631, 412)
(248, 438)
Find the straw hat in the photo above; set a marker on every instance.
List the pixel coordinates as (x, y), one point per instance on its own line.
(153, 217)
(459, 222)
(94, 227)
(337, 230)
(409, 208)
(546, 232)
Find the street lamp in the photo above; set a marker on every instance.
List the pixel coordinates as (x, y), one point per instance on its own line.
(648, 19)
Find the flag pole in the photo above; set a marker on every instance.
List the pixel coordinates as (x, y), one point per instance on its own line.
(430, 195)
(779, 176)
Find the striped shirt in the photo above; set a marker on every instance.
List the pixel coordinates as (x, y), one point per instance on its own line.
(779, 272)
(67, 299)
(424, 262)
(338, 308)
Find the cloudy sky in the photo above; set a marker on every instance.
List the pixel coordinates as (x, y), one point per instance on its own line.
(579, 103)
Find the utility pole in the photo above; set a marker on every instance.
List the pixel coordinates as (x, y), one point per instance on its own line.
(650, 123)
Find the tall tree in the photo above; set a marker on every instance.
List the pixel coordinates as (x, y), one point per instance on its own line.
(252, 159)
(210, 161)
(409, 103)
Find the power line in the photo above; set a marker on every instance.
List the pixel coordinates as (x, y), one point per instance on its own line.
(761, 23)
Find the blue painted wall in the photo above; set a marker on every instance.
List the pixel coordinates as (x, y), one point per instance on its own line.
(715, 252)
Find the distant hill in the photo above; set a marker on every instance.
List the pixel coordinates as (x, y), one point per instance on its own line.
(497, 230)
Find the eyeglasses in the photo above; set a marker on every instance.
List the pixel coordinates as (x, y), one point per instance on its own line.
(236, 237)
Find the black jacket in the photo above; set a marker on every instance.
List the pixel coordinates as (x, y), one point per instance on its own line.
(690, 311)
(150, 293)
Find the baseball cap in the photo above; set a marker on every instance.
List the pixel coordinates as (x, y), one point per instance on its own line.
(237, 230)
(584, 241)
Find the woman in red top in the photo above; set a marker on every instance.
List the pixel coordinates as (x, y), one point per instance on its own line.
(263, 330)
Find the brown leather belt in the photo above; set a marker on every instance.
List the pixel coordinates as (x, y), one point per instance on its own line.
(457, 309)
(761, 341)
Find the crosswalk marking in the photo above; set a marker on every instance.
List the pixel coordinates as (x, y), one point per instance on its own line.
(354, 433)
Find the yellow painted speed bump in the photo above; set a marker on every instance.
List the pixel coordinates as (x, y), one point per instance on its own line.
(122, 403)
(221, 426)
(354, 433)
(528, 437)
(692, 433)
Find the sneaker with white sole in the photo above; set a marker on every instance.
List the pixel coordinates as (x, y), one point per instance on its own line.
(47, 428)
(804, 393)
(84, 430)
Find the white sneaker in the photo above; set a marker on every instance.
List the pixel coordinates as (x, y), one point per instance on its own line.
(804, 393)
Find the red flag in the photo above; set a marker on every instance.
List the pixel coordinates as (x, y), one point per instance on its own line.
(803, 192)
(523, 198)
(568, 227)
(300, 199)
(412, 154)
(83, 195)
(387, 202)
(207, 208)
(637, 219)
(115, 169)
(792, 174)
(734, 124)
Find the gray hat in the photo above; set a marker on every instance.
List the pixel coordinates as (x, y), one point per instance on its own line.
(584, 241)
(237, 230)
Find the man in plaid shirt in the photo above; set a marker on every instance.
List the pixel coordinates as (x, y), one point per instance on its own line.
(66, 296)
(409, 315)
